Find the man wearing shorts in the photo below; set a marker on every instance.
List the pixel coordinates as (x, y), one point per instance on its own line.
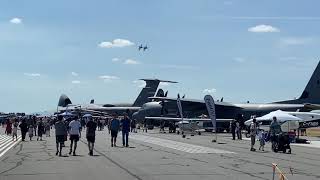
(61, 130)
(114, 126)
(74, 132)
(91, 134)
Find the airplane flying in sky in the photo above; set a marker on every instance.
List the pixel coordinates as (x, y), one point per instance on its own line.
(167, 107)
(144, 48)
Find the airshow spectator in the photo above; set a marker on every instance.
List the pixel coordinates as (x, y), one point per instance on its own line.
(114, 127)
(125, 130)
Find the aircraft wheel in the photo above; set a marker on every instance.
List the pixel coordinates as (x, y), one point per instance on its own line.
(199, 133)
(184, 136)
(182, 133)
(178, 132)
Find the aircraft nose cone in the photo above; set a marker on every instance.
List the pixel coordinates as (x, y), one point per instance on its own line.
(139, 115)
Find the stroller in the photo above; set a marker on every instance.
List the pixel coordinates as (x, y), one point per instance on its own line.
(281, 142)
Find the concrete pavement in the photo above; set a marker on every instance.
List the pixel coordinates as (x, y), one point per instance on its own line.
(156, 156)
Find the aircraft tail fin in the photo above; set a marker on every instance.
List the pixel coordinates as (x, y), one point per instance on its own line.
(148, 91)
(311, 93)
(64, 101)
(312, 90)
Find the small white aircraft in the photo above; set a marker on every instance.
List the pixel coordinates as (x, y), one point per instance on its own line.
(193, 125)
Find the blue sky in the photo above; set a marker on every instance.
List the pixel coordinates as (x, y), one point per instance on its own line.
(242, 50)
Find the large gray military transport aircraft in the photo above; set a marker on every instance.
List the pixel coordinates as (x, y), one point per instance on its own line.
(162, 107)
(146, 93)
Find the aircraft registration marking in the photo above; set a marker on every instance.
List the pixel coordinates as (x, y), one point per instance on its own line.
(180, 146)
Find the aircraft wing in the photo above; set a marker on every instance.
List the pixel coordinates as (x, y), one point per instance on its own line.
(186, 119)
(192, 101)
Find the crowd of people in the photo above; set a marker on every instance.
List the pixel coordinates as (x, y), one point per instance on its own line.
(74, 127)
(33, 126)
(254, 131)
(280, 141)
(70, 126)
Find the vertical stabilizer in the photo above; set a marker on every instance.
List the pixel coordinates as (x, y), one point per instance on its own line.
(148, 91)
(312, 90)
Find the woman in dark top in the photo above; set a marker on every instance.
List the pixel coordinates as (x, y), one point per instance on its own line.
(40, 130)
(8, 127)
(24, 129)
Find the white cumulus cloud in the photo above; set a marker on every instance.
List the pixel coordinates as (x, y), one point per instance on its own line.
(32, 74)
(131, 62)
(263, 29)
(116, 43)
(75, 82)
(74, 74)
(209, 91)
(16, 21)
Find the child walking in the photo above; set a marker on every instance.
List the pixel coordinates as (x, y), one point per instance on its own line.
(31, 129)
(262, 139)
(15, 131)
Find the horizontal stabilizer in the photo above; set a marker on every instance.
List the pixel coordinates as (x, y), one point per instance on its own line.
(158, 80)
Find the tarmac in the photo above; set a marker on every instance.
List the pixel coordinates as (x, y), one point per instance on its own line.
(154, 155)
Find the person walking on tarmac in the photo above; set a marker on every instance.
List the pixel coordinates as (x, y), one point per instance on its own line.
(60, 129)
(8, 130)
(40, 130)
(233, 129)
(114, 127)
(253, 133)
(24, 129)
(275, 129)
(125, 130)
(133, 126)
(74, 132)
(91, 134)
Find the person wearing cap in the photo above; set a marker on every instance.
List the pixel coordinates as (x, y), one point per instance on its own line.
(253, 133)
(125, 130)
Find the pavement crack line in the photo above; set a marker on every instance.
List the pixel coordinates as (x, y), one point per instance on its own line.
(19, 163)
(115, 163)
(243, 172)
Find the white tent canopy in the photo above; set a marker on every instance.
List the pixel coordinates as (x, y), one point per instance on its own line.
(280, 115)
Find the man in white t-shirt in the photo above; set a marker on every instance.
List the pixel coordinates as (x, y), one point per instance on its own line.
(74, 132)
